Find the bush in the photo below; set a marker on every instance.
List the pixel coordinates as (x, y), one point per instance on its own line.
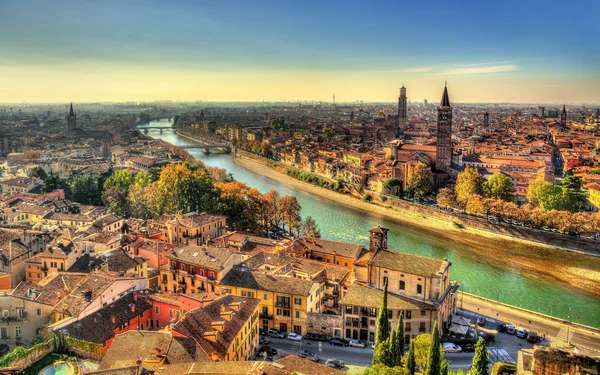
(383, 198)
(367, 197)
(500, 368)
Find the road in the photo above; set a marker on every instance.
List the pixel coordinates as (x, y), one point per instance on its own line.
(353, 356)
(587, 341)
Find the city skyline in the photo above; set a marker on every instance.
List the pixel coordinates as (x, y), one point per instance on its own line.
(298, 51)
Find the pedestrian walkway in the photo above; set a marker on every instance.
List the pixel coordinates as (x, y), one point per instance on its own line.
(500, 355)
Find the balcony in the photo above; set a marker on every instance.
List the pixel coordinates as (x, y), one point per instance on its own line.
(9, 319)
(285, 304)
(265, 316)
(182, 281)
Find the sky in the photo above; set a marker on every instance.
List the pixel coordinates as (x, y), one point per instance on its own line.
(289, 50)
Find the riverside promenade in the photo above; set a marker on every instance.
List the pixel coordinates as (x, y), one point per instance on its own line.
(586, 339)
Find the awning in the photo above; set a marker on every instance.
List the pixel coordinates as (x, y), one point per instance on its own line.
(459, 329)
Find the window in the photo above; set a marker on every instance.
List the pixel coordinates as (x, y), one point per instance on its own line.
(39, 311)
(407, 327)
(5, 313)
(297, 301)
(170, 313)
(422, 327)
(402, 285)
(407, 314)
(17, 331)
(419, 289)
(348, 309)
(297, 314)
(423, 312)
(156, 309)
(265, 297)
(20, 312)
(157, 323)
(183, 267)
(389, 314)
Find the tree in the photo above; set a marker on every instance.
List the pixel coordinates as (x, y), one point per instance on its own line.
(394, 184)
(446, 198)
(481, 359)
(184, 188)
(116, 192)
(435, 356)
(384, 370)
(574, 185)
(411, 364)
(290, 212)
(444, 368)
(38, 172)
(397, 348)
(382, 352)
(142, 196)
(468, 183)
(420, 181)
(421, 345)
(552, 197)
(498, 186)
(310, 229)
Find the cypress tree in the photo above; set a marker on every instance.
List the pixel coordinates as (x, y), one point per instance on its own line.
(444, 369)
(397, 347)
(383, 324)
(411, 363)
(481, 359)
(400, 329)
(434, 358)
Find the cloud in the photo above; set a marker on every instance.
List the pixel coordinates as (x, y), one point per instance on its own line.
(480, 69)
(463, 69)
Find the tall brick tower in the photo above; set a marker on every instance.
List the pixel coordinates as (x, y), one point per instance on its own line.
(402, 110)
(563, 116)
(71, 124)
(444, 133)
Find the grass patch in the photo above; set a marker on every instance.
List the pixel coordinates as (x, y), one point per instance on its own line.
(41, 364)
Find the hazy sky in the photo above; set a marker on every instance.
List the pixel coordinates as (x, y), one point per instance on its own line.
(489, 51)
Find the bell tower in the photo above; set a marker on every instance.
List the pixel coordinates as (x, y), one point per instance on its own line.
(402, 109)
(444, 133)
(563, 116)
(378, 237)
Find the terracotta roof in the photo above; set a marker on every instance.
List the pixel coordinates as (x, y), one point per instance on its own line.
(343, 249)
(366, 296)
(203, 256)
(243, 277)
(409, 263)
(198, 321)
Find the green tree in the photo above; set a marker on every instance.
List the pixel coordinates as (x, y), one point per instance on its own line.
(38, 172)
(421, 345)
(141, 197)
(116, 192)
(481, 359)
(498, 186)
(411, 364)
(420, 182)
(468, 183)
(444, 368)
(310, 228)
(574, 185)
(435, 357)
(395, 185)
(184, 188)
(383, 346)
(384, 370)
(551, 197)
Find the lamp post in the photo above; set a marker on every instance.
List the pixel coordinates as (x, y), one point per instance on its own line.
(569, 327)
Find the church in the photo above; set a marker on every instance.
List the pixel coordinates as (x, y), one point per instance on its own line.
(437, 155)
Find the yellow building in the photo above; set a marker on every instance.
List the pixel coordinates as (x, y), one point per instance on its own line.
(225, 330)
(191, 229)
(284, 301)
(593, 200)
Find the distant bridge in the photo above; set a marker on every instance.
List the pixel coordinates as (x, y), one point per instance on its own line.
(148, 129)
(208, 149)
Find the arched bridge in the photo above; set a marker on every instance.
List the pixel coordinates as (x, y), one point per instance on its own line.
(208, 149)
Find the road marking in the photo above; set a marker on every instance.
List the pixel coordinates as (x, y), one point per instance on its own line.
(500, 355)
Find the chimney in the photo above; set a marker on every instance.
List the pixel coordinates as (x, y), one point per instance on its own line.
(218, 325)
(114, 320)
(158, 352)
(132, 307)
(210, 335)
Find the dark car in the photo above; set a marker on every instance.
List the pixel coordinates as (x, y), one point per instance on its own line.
(263, 332)
(338, 342)
(469, 348)
(501, 327)
(481, 321)
(270, 351)
(533, 337)
(316, 337)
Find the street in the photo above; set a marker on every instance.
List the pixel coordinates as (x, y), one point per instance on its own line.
(586, 340)
(353, 356)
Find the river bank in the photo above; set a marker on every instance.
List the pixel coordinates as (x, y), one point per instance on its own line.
(574, 269)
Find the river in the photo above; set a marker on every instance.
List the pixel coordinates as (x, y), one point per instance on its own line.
(477, 275)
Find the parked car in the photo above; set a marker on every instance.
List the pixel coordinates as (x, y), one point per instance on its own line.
(501, 327)
(335, 363)
(356, 344)
(522, 333)
(450, 347)
(270, 351)
(316, 337)
(263, 341)
(469, 348)
(511, 330)
(338, 342)
(294, 336)
(263, 332)
(309, 355)
(372, 345)
(533, 337)
(481, 321)
(275, 333)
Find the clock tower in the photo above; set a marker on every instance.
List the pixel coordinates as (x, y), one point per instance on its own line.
(444, 133)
